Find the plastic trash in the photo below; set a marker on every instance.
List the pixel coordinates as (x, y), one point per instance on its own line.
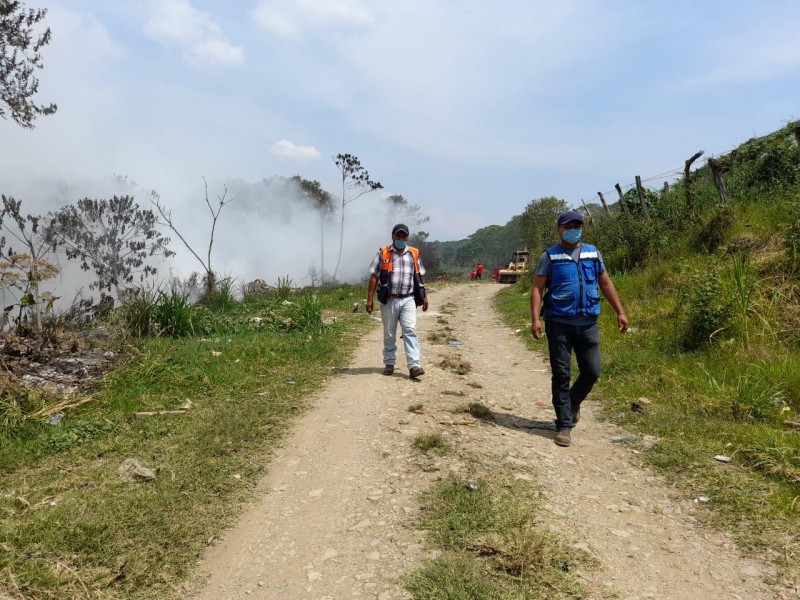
(55, 418)
(623, 439)
(456, 343)
(722, 458)
(472, 485)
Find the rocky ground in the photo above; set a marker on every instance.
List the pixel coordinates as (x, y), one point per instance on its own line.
(334, 518)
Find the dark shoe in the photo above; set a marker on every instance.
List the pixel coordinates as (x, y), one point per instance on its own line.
(416, 372)
(388, 370)
(562, 437)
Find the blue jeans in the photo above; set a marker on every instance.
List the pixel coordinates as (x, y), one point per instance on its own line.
(404, 312)
(562, 339)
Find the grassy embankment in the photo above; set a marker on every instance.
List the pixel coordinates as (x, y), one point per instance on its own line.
(713, 364)
(71, 528)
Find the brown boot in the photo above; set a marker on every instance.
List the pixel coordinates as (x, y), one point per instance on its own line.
(415, 372)
(562, 437)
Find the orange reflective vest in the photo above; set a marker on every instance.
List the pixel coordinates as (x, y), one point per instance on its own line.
(385, 281)
(387, 258)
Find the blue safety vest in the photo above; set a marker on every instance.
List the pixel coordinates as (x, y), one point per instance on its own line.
(572, 287)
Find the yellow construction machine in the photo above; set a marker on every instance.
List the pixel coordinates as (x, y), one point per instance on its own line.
(515, 268)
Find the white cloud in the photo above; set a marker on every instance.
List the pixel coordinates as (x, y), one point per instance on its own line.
(291, 17)
(286, 149)
(177, 23)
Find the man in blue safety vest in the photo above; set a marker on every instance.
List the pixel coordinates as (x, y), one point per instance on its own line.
(571, 272)
(396, 274)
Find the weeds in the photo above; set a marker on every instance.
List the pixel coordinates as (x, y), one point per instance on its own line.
(283, 288)
(492, 547)
(222, 297)
(457, 365)
(480, 411)
(172, 314)
(430, 442)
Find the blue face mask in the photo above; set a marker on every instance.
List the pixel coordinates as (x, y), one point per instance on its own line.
(572, 236)
(400, 244)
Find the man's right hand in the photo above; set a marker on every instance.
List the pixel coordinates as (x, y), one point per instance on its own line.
(537, 329)
(369, 306)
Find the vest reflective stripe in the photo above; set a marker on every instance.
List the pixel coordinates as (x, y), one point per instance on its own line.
(572, 286)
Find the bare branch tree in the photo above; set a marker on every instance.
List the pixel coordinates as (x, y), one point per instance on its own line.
(166, 216)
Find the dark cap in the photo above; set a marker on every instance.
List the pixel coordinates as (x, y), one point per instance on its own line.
(568, 217)
(400, 228)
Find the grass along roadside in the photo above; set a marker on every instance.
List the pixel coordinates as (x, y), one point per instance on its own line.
(71, 528)
(493, 545)
(724, 400)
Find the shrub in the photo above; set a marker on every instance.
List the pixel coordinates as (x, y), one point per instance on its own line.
(704, 308)
(173, 314)
(136, 312)
(223, 296)
(306, 314)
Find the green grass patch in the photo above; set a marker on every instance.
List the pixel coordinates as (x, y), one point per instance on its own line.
(430, 442)
(493, 546)
(70, 527)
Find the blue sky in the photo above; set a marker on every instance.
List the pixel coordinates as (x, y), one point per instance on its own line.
(469, 109)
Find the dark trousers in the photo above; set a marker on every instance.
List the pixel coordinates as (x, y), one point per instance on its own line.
(562, 339)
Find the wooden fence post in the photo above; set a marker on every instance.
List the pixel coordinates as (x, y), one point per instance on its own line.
(603, 202)
(640, 191)
(687, 180)
(797, 134)
(665, 189)
(716, 175)
(622, 202)
(588, 214)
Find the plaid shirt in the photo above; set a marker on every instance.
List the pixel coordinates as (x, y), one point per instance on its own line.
(401, 279)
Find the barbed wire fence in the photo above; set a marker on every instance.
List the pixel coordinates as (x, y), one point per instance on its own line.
(693, 164)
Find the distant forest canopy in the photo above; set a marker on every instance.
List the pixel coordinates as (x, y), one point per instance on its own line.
(493, 245)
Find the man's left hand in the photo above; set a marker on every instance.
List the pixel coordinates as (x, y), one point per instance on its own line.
(622, 321)
(425, 304)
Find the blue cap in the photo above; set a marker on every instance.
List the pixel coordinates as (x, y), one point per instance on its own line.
(568, 217)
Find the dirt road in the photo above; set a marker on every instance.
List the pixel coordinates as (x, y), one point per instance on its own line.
(334, 518)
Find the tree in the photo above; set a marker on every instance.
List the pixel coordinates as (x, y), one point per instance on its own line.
(408, 213)
(427, 253)
(114, 238)
(322, 201)
(19, 58)
(25, 230)
(166, 215)
(355, 183)
(538, 222)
